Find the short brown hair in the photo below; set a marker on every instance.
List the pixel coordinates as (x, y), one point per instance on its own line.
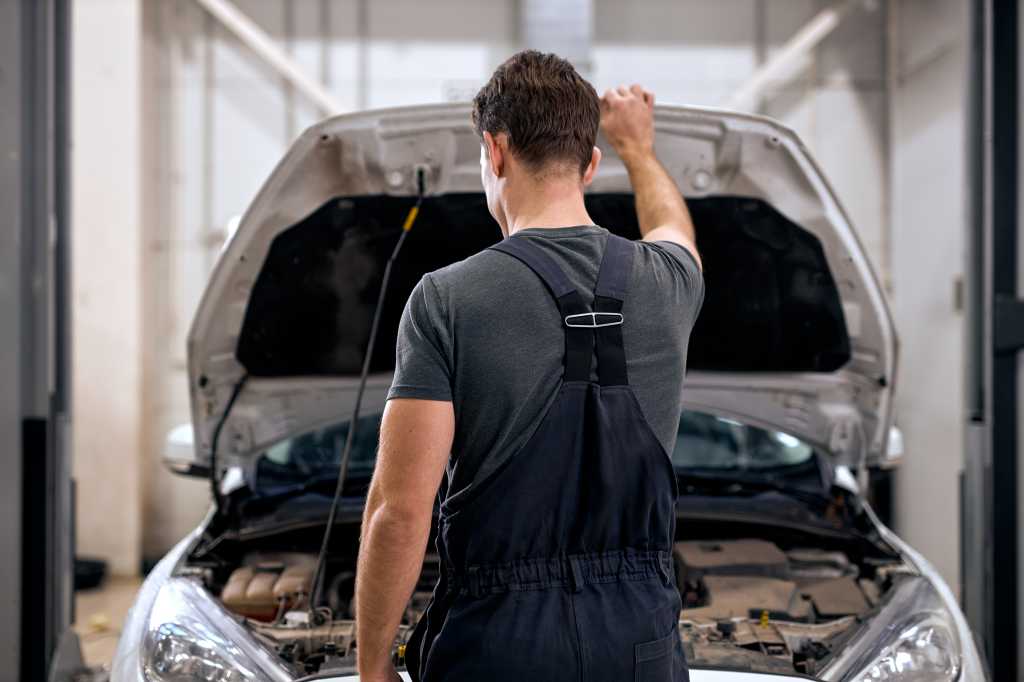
(549, 112)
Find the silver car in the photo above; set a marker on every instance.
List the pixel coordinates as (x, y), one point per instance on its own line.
(783, 568)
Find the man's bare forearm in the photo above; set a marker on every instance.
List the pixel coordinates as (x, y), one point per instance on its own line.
(415, 439)
(658, 201)
(390, 560)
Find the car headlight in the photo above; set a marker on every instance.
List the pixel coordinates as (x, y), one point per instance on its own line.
(191, 637)
(912, 638)
(923, 649)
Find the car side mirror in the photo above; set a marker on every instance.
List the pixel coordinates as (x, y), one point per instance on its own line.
(894, 450)
(179, 454)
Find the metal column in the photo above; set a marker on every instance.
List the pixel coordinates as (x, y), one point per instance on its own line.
(995, 337)
(35, 500)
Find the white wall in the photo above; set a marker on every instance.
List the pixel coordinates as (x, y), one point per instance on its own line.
(928, 218)
(105, 284)
(222, 121)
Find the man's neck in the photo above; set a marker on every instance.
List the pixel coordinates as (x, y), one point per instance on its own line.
(545, 205)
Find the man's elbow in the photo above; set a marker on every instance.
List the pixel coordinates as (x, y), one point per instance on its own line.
(399, 518)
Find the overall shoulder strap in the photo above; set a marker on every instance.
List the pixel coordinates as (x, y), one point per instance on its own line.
(609, 294)
(579, 340)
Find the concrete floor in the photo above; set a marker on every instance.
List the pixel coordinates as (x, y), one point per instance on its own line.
(99, 614)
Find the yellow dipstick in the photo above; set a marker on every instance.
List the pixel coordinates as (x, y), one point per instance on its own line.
(401, 651)
(411, 218)
(764, 618)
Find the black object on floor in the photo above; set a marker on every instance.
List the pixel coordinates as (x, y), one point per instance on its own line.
(89, 573)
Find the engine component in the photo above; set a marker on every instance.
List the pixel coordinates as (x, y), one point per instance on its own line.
(340, 595)
(250, 594)
(264, 588)
(294, 581)
(835, 597)
(721, 580)
(738, 596)
(778, 647)
(312, 646)
(819, 563)
(733, 557)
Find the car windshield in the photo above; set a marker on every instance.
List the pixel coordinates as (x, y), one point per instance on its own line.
(704, 442)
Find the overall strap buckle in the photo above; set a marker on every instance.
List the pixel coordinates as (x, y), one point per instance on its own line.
(593, 320)
(587, 331)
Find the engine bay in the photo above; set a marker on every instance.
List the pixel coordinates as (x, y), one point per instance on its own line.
(749, 604)
(271, 592)
(775, 605)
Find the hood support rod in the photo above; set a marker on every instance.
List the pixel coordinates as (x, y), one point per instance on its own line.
(316, 589)
(214, 474)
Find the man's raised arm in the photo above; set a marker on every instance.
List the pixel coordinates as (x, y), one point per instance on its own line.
(627, 119)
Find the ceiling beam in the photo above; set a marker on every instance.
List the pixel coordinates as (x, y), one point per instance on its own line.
(260, 42)
(790, 58)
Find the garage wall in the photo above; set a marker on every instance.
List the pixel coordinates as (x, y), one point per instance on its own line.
(221, 120)
(928, 217)
(107, 264)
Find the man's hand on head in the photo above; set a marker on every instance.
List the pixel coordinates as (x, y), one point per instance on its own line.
(627, 119)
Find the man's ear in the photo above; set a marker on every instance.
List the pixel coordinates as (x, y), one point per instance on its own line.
(591, 170)
(496, 149)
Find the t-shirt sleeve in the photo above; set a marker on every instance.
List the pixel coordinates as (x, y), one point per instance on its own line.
(423, 357)
(685, 273)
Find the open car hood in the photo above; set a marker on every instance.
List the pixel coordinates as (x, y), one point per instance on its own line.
(795, 333)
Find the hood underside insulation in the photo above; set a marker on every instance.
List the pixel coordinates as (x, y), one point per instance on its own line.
(771, 302)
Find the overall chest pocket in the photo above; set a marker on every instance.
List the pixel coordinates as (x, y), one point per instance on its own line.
(652, 661)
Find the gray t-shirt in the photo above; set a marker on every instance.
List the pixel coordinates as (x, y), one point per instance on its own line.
(485, 333)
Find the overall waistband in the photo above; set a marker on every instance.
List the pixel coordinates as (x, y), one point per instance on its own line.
(571, 571)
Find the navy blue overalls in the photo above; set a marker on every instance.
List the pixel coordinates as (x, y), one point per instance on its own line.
(560, 566)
